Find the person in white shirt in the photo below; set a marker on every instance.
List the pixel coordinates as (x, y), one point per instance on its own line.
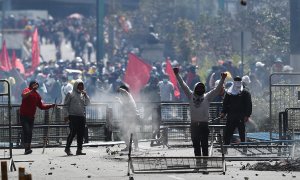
(166, 89)
(66, 87)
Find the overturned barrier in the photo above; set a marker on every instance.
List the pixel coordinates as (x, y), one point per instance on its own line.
(259, 151)
(177, 164)
(172, 164)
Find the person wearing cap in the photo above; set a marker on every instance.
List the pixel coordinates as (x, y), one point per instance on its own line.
(199, 102)
(277, 66)
(31, 99)
(246, 82)
(237, 105)
(262, 74)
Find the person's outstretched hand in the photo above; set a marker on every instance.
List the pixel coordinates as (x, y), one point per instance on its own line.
(223, 75)
(176, 70)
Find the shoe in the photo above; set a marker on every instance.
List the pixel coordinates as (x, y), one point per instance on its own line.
(196, 170)
(29, 151)
(205, 172)
(125, 149)
(68, 152)
(80, 153)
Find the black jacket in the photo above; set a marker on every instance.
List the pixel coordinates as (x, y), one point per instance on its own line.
(237, 105)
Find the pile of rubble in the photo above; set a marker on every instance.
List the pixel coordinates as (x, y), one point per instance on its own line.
(286, 165)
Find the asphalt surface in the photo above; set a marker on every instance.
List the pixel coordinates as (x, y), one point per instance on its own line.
(101, 163)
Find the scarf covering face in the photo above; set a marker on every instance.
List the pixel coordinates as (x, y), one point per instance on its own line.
(197, 100)
(236, 88)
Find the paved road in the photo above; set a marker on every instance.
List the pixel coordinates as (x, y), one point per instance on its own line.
(48, 52)
(97, 164)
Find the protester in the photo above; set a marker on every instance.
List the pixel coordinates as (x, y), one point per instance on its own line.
(237, 105)
(199, 108)
(166, 89)
(150, 95)
(130, 117)
(31, 99)
(66, 87)
(75, 104)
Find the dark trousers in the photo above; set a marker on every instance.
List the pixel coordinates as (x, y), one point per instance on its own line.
(77, 127)
(199, 134)
(27, 127)
(231, 124)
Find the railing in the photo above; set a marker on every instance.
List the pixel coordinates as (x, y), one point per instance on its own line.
(103, 123)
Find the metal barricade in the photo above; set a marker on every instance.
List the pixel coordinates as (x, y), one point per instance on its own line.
(291, 123)
(175, 124)
(171, 164)
(103, 123)
(58, 130)
(51, 124)
(284, 93)
(260, 151)
(6, 144)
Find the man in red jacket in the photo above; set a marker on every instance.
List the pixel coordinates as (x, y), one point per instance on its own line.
(30, 101)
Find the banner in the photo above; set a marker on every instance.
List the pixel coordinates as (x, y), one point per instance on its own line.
(137, 73)
(172, 77)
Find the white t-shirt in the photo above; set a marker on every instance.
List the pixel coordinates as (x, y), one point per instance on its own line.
(65, 89)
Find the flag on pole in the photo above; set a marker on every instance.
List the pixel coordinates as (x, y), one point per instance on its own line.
(16, 63)
(35, 53)
(137, 73)
(4, 58)
(172, 77)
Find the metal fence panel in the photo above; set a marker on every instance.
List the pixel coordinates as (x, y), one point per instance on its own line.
(103, 122)
(5, 120)
(284, 93)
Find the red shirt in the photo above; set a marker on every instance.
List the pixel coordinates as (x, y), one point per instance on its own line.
(30, 103)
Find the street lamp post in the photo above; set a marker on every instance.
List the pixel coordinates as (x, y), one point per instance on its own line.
(100, 30)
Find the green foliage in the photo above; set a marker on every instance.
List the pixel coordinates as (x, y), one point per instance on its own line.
(204, 68)
(184, 39)
(191, 27)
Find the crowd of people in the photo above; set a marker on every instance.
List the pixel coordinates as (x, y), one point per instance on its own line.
(104, 78)
(63, 81)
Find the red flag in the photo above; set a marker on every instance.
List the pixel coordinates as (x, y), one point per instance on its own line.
(35, 52)
(13, 59)
(172, 77)
(137, 73)
(4, 59)
(16, 63)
